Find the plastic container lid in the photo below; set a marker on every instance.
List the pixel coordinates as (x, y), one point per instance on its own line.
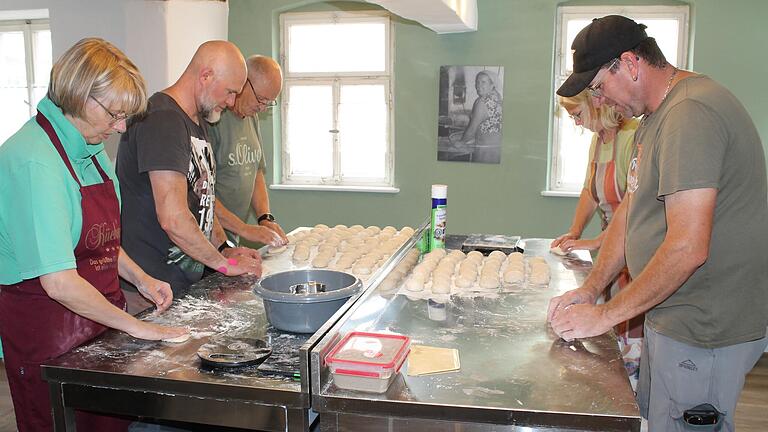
(369, 354)
(439, 191)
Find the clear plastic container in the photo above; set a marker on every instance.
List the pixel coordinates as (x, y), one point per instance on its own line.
(368, 362)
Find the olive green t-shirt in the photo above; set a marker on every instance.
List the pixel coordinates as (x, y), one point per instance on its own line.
(702, 137)
(236, 146)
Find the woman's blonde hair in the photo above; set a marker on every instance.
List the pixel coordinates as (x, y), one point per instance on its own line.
(95, 68)
(605, 116)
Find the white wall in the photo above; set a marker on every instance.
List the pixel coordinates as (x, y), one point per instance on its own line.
(189, 24)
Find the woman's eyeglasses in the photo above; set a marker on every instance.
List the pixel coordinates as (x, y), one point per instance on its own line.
(115, 117)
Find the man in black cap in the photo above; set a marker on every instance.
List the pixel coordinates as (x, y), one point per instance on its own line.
(697, 210)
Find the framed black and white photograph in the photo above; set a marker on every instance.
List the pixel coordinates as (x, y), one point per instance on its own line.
(470, 115)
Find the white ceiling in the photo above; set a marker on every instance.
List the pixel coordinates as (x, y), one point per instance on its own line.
(441, 16)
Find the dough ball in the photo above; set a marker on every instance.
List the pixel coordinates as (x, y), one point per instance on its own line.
(320, 262)
(539, 267)
(325, 247)
(475, 255)
(489, 282)
(442, 273)
(539, 278)
(514, 276)
(361, 269)
(277, 250)
(407, 231)
(464, 282)
(437, 253)
(441, 285)
(414, 284)
(301, 254)
(499, 255)
(515, 256)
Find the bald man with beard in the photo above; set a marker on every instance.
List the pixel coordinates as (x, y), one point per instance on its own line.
(236, 141)
(168, 175)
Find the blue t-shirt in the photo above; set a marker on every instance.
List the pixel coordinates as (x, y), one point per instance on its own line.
(40, 212)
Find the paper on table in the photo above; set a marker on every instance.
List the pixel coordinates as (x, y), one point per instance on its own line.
(424, 360)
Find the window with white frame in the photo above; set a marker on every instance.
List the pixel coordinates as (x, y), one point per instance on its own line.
(25, 65)
(336, 105)
(570, 144)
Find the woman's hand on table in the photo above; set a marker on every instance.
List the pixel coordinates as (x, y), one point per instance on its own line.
(156, 291)
(151, 331)
(565, 237)
(585, 244)
(247, 261)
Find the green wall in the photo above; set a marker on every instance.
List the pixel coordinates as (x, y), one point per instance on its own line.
(727, 44)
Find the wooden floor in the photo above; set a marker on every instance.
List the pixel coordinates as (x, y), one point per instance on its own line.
(750, 412)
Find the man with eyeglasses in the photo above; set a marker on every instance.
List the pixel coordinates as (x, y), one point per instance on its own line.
(240, 165)
(689, 231)
(168, 175)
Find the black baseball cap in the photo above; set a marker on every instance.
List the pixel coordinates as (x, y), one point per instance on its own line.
(601, 41)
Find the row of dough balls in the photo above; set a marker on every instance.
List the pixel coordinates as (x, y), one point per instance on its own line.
(403, 268)
(538, 269)
(361, 249)
(442, 268)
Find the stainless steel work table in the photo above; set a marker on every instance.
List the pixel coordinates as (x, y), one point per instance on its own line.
(119, 374)
(515, 375)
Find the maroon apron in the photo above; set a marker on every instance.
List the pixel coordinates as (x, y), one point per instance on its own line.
(35, 328)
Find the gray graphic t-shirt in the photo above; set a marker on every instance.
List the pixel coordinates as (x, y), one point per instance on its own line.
(165, 139)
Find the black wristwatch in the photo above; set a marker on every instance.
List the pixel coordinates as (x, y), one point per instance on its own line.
(226, 245)
(265, 217)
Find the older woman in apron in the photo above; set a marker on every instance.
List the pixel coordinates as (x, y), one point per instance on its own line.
(604, 187)
(60, 253)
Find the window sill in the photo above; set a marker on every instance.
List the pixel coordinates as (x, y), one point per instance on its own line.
(562, 194)
(329, 188)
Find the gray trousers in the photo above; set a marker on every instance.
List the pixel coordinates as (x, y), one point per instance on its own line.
(675, 377)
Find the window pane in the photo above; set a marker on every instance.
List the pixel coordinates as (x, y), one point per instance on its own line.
(573, 152)
(14, 70)
(309, 117)
(363, 130)
(574, 27)
(664, 30)
(14, 111)
(41, 44)
(341, 47)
